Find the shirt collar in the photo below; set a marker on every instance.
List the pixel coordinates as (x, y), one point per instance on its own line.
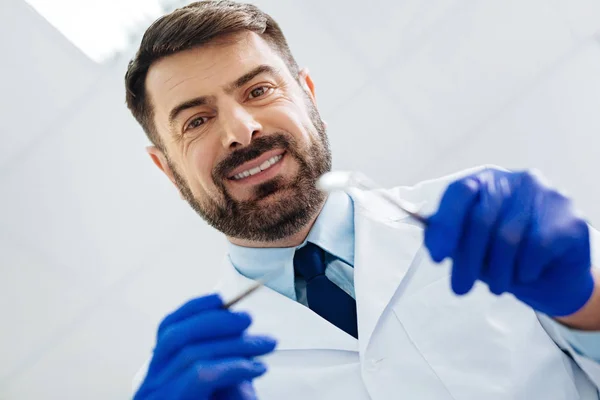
(333, 231)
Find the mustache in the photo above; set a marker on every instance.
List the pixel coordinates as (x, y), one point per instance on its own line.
(257, 147)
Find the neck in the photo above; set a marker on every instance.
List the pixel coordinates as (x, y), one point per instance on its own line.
(290, 241)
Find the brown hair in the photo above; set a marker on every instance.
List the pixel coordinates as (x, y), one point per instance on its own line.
(189, 27)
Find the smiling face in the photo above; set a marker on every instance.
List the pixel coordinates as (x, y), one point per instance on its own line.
(242, 138)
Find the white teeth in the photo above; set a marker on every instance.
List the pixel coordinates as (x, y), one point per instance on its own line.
(265, 165)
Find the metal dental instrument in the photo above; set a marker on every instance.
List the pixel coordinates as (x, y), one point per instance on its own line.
(341, 180)
(255, 286)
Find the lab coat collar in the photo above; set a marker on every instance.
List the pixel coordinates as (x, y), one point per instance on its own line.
(386, 243)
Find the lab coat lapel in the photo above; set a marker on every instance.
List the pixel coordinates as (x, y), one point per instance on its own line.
(291, 323)
(385, 246)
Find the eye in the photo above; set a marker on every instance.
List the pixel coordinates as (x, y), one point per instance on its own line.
(258, 92)
(195, 123)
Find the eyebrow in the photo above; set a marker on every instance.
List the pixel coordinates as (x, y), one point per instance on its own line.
(247, 77)
(238, 83)
(196, 102)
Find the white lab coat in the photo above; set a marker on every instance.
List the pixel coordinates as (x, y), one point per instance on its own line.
(417, 340)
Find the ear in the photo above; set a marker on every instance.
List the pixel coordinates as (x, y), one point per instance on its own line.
(160, 160)
(307, 83)
(309, 86)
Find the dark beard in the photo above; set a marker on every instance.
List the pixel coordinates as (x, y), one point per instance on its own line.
(300, 201)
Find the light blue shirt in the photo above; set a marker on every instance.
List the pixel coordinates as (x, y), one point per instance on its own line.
(333, 231)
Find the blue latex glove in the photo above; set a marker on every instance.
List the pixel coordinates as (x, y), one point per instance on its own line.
(517, 235)
(202, 352)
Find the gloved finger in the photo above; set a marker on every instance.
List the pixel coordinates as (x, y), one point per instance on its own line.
(206, 326)
(445, 228)
(226, 372)
(501, 262)
(547, 225)
(145, 392)
(540, 243)
(244, 346)
(461, 279)
(191, 308)
(473, 246)
(508, 240)
(203, 379)
(243, 391)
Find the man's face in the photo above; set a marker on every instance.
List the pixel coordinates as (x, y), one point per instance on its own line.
(244, 142)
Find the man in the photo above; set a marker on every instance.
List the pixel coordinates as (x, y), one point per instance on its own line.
(357, 304)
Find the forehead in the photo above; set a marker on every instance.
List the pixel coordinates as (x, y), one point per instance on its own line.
(203, 71)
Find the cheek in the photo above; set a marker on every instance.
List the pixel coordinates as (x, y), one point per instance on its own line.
(294, 120)
(201, 161)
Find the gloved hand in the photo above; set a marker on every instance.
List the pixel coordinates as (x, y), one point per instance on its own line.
(517, 235)
(202, 352)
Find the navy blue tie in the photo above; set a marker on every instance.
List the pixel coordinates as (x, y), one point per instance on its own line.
(325, 297)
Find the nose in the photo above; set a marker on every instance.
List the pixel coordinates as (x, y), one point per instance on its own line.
(239, 127)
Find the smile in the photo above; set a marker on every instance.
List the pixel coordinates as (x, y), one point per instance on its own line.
(262, 167)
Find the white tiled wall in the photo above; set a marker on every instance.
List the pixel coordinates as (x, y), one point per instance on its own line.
(553, 126)
(95, 245)
(36, 61)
